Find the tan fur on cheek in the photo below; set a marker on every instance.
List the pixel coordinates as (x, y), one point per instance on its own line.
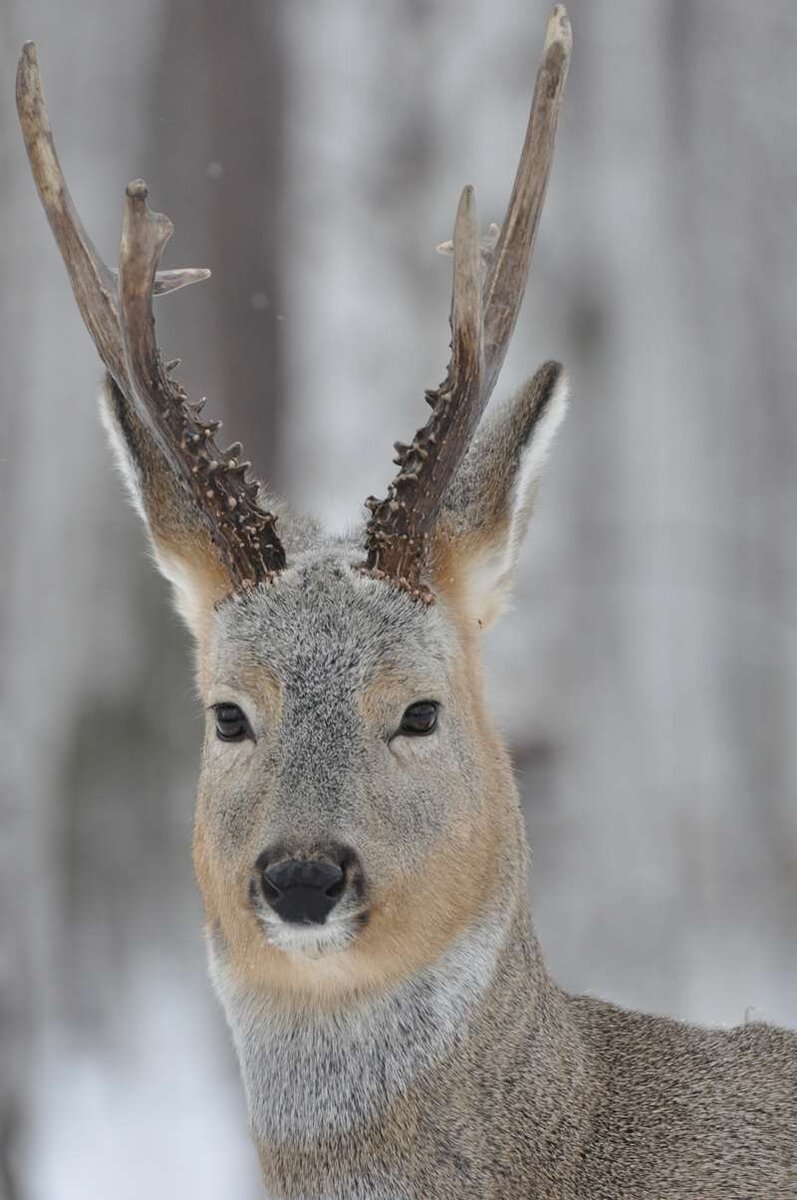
(414, 920)
(224, 903)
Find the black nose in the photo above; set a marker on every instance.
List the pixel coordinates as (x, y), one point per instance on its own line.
(303, 891)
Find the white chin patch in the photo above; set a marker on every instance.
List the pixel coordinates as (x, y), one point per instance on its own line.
(309, 941)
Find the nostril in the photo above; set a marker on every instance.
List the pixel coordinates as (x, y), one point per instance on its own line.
(336, 887)
(270, 890)
(274, 882)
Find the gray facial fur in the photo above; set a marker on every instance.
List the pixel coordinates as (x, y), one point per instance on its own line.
(325, 633)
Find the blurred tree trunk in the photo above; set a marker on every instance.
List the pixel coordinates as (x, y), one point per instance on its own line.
(218, 115)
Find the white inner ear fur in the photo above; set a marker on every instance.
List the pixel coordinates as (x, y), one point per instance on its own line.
(124, 463)
(490, 573)
(189, 598)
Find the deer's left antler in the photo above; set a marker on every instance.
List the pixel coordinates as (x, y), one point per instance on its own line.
(482, 322)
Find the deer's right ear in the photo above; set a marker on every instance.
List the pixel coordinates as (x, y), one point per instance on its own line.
(488, 506)
(183, 549)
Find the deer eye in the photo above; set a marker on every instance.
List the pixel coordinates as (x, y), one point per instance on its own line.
(420, 718)
(231, 724)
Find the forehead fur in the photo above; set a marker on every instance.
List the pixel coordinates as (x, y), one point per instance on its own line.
(324, 618)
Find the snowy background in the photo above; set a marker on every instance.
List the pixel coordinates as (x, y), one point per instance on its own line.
(312, 154)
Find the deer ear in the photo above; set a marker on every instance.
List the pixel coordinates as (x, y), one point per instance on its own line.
(488, 506)
(181, 543)
(182, 546)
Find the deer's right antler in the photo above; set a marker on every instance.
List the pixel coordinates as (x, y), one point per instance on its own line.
(117, 310)
(482, 323)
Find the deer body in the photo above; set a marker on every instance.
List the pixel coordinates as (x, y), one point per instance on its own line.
(478, 1077)
(358, 838)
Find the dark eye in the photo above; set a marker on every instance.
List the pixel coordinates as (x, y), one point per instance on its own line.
(420, 718)
(231, 724)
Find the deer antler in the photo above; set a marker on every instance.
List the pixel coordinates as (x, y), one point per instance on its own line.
(482, 323)
(117, 310)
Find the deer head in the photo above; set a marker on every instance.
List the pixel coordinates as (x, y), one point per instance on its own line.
(355, 807)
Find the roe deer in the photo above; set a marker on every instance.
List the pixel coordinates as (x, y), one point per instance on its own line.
(359, 843)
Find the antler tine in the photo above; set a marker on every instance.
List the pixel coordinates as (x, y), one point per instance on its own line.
(92, 282)
(172, 281)
(244, 533)
(482, 323)
(509, 265)
(400, 525)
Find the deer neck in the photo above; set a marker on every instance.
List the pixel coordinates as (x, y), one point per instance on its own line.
(312, 1075)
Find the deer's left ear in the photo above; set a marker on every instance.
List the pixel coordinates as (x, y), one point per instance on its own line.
(488, 506)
